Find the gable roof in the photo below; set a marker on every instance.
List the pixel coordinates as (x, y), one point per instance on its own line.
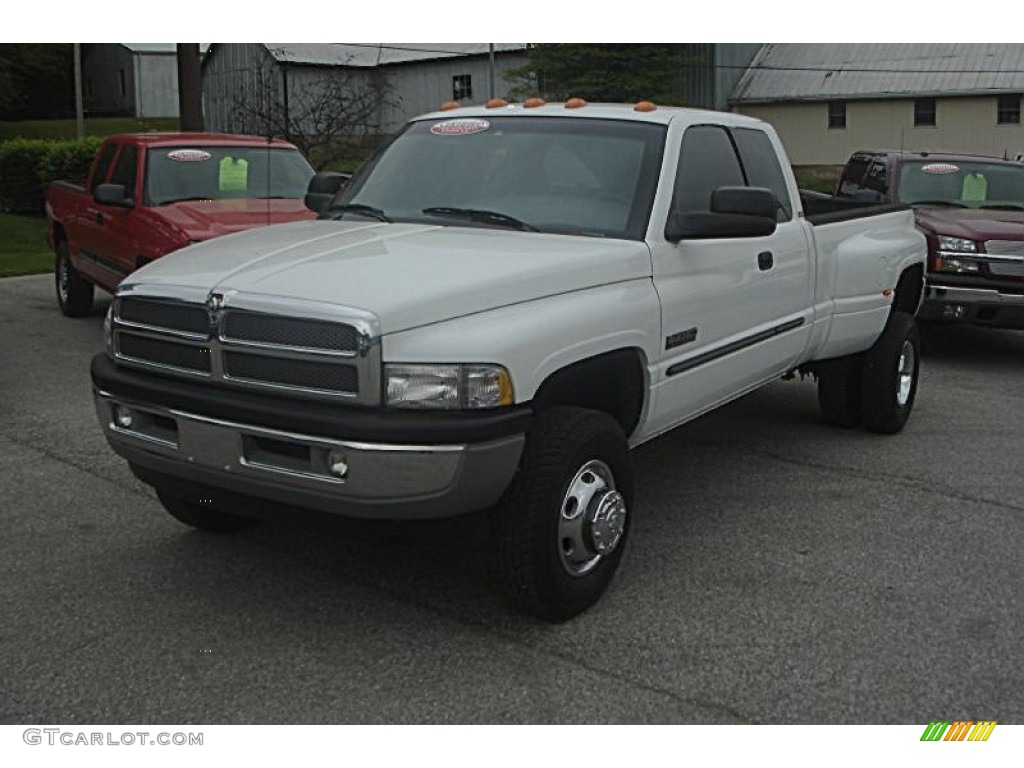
(377, 54)
(818, 72)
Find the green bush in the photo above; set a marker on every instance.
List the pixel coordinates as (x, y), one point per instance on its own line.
(21, 190)
(28, 165)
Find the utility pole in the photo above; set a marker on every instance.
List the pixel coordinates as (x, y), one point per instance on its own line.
(490, 58)
(79, 110)
(190, 92)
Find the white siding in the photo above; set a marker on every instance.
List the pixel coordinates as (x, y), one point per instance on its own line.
(966, 124)
(231, 75)
(156, 78)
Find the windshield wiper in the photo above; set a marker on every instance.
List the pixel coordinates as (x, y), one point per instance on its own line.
(484, 217)
(1004, 207)
(949, 203)
(359, 208)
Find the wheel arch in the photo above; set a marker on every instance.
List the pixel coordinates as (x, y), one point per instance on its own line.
(615, 383)
(909, 290)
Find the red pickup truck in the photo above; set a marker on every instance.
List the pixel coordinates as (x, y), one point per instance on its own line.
(150, 194)
(971, 210)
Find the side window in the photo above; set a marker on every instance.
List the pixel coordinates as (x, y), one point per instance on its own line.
(99, 175)
(853, 175)
(125, 167)
(761, 163)
(877, 180)
(708, 161)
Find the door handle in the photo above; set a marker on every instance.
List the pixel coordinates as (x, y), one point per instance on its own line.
(765, 260)
(99, 219)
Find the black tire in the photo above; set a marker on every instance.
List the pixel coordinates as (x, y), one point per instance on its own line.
(198, 515)
(533, 561)
(839, 391)
(889, 379)
(74, 292)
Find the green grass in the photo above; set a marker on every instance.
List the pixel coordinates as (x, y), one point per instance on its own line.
(23, 249)
(94, 126)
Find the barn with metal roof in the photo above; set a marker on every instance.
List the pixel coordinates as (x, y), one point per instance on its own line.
(829, 100)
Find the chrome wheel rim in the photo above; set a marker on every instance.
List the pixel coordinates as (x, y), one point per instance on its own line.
(907, 368)
(63, 278)
(592, 519)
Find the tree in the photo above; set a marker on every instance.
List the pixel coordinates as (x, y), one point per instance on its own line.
(322, 115)
(618, 72)
(36, 81)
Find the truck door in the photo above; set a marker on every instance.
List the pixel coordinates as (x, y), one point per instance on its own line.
(87, 229)
(116, 239)
(736, 312)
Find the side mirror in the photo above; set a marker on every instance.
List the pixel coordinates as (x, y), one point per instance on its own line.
(322, 189)
(735, 212)
(112, 194)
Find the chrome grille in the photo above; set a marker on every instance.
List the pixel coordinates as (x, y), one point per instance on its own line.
(1005, 247)
(172, 353)
(328, 376)
(331, 354)
(1006, 258)
(165, 315)
(277, 330)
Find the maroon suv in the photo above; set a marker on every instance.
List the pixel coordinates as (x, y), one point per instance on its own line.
(971, 209)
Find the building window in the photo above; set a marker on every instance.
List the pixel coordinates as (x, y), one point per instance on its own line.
(924, 112)
(1008, 111)
(837, 114)
(462, 87)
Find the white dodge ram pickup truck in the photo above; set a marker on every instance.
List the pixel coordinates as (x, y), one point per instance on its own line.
(489, 314)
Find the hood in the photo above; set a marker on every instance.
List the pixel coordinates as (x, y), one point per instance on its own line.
(408, 275)
(206, 219)
(971, 223)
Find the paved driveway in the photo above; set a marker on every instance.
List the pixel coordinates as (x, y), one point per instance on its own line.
(780, 571)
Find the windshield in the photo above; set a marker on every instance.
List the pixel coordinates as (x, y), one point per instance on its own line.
(174, 174)
(962, 184)
(575, 176)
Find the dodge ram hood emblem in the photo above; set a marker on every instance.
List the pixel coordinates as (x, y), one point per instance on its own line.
(215, 302)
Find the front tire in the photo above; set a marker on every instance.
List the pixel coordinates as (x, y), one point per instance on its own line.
(74, 293)
(561, 528)
(890, 375)
(199, 515)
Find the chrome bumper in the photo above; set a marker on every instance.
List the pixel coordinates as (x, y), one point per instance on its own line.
(328, 475)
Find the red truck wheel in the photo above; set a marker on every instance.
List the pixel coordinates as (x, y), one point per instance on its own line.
(74, 294)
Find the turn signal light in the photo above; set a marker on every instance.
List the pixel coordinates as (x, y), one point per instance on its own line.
(536, 101)
(575, 103)
(449, 105)
(645, 106)
(496, 104)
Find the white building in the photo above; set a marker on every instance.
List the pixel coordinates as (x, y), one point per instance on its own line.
(827, 101)
(136, 79)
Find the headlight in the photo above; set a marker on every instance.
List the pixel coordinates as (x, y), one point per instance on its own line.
(946, 260)
(957, 245)
(447, 386)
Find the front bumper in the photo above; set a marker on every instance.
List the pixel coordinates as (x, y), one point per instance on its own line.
(981, 306)
(241, 463)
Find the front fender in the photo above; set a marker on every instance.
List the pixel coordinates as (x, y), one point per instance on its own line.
(537, 338)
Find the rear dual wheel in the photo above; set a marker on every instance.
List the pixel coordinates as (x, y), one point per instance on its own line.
(875, 389)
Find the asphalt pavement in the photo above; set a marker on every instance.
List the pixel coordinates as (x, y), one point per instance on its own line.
(780, 571)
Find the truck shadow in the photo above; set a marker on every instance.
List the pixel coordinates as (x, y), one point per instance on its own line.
(973, 346)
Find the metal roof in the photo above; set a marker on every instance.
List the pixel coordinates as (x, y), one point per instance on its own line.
(376, 54)
(151, 47)
(816, 72)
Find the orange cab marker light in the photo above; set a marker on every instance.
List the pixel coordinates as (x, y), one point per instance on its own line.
(575, 103)
(449, 105)
(645, 106)
(887, 292)
(496, 103)
(535, 101)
